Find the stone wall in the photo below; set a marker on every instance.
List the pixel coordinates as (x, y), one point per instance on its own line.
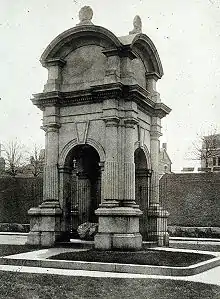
(17, 196)
(191, 199)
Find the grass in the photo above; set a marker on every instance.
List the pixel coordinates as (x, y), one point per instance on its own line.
(15, 249)
(44, 286)
(199, 246)
(147, 257)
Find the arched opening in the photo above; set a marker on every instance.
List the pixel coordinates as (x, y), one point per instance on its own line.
(142, 183)
(85, 186)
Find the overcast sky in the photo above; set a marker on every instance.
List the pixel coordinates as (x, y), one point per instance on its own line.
(185, 33)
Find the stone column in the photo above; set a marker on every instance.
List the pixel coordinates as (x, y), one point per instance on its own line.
(111, 168)
(45, 225)
(51, 186)
(129, 166)
(157, 216)
(118, 219)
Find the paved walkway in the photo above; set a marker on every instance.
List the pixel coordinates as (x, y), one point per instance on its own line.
(210, 277)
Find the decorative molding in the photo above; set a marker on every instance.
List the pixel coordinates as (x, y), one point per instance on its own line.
(111, 121)
(74, 33)
(152, 75)
(51, 127)
(124, 51)
(54, 62)
(155, 135)
(71, 144)
(82, 131)
(99, 93)
(130, 122)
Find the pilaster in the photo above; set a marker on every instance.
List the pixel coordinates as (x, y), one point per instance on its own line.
(129, 166)
(54, 80)
(151, 79)
(45, 224)
(112, 74)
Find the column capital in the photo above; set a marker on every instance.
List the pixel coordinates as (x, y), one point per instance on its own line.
(102, 165)
(155, 135)
(130, 122)
(51, 127)
(152, 75)
(124, 51)
(112, 121)
(54, 62)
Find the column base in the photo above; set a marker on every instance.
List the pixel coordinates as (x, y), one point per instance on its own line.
(118, 229)
(157, 225)
(45, 225)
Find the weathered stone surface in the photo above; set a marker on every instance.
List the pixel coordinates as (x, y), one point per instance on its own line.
(137, 25)
(85, 15)
(87, 230)
(100, 99)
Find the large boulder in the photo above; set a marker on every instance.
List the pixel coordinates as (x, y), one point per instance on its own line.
(87, 230)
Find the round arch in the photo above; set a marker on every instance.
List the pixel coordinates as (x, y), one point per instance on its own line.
(70, 145)
(146, 153)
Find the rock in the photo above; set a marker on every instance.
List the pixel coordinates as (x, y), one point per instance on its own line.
(87, 230)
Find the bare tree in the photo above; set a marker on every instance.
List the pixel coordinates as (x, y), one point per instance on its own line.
(15, 158)
(205, 148)
(37, 160)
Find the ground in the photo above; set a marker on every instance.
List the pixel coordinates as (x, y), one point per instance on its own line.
(20, 285)
(26, 286)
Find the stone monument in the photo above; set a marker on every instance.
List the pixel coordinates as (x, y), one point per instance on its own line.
(102, 119)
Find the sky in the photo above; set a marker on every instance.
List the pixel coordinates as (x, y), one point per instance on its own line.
(185, 33)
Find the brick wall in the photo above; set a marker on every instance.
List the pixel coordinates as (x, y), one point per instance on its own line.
(17, 196)
(191, 199)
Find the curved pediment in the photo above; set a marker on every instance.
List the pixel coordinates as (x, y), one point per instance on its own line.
(79, 36)
(143, 46)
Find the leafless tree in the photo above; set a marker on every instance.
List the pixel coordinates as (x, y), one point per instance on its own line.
(205, 148)
(15, 157)
(37, 160)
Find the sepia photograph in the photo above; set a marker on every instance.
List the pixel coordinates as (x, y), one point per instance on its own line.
(110, 149)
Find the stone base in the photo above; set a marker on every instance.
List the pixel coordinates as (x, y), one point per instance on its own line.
(118, 229)
(157, 225)
(44, 239)
(45, 225)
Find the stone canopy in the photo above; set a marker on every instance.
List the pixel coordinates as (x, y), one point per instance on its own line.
(103, 57)
(102, 118)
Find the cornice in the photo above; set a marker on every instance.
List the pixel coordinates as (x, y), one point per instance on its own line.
(99, 93)
(124, 51)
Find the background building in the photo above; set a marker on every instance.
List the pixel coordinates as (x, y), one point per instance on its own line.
(164, 160)
(210, 153)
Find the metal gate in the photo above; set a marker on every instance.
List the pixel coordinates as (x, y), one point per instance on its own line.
(85, 198)
(142, 198)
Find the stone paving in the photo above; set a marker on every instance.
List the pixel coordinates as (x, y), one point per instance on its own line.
(211, 276)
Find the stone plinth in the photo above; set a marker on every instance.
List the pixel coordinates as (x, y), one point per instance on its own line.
(118, 229)
(45, 226)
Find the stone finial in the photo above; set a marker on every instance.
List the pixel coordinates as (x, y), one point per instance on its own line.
(85, 15)
(137, 25)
